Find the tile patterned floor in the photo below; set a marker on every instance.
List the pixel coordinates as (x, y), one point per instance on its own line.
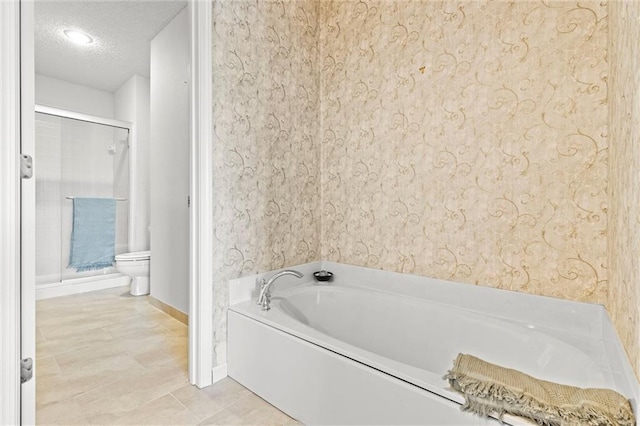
(109, 358)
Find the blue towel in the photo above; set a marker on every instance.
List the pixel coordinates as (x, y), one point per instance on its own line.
(93, 238)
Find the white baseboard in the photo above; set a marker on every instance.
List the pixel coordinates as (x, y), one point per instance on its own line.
(218, 372)
(80, 285)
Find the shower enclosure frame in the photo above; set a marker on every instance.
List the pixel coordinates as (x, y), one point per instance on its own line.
(82, 284)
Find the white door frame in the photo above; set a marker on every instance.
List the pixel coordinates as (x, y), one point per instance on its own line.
(9, 212)
(201, 214)
(27, 210)
(201, 195)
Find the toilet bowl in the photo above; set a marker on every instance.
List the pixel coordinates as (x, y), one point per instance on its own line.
(136, 266)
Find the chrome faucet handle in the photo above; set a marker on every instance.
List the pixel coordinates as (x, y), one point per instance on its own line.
(266, 301)
(261, 296)
(265, 287)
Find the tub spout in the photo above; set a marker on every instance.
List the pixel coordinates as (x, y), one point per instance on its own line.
(265, 287)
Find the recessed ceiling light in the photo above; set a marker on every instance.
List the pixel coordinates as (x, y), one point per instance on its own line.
(78, 37)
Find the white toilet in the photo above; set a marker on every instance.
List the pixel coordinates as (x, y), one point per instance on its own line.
(136, 266)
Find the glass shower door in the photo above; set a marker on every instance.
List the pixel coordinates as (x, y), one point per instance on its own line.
(76, 158)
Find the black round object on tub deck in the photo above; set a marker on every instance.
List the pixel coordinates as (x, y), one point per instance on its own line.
(323, 275)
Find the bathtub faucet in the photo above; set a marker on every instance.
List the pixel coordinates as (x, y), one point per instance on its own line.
(265, 287)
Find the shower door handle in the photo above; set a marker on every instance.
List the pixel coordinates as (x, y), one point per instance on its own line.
(26, 166)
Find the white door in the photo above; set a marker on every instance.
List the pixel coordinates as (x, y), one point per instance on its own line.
(28, 209)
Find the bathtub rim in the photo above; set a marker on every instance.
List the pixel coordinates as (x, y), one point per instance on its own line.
(319, 376)
(586, 319)
(590, 320)
(428, 381)
(423, 379)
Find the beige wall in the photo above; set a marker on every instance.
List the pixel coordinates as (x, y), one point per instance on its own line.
(624, 175)
(267, 175)
(56, 93)
(169, 163)
(468, 141)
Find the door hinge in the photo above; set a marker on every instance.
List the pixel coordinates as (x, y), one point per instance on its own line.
(26, 370)
(26, 166)
(188, 201)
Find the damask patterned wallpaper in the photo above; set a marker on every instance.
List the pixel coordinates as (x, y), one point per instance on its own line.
(624, 174)
(467, 141)
(460, 140)
(267, 153)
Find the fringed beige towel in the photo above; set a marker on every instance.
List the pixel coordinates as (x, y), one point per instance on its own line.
(491, 389)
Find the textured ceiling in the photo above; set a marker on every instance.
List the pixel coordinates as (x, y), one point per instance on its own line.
(122, 32)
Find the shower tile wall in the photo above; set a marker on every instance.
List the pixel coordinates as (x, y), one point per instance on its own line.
(48, 204)
(73, 159)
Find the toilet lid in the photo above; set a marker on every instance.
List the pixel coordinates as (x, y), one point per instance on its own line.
(136, 255)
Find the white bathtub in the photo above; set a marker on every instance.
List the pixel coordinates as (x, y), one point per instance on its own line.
(350, 353)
